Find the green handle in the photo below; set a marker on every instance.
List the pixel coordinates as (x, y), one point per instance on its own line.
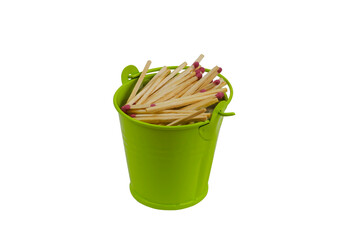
(227, 114)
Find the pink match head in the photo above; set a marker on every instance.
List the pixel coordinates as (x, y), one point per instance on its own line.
(199, 75)
(125, 108)
(219, 95)
(132, 115)
(196, 64)
(219, 70)
(202, 69)
(152, 105)
(217, 82)
(203, 90)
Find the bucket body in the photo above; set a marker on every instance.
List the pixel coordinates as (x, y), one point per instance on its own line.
(169, 166)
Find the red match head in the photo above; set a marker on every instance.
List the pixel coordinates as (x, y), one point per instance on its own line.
(132, 115)
(152, 105)
(216, 82)
(219, 95)
(203, 90)
(125, 108)
(219, 70)
(202, 69)
(199, 75)
(196, 64)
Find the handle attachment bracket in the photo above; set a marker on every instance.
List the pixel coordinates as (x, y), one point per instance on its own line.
(127, 71)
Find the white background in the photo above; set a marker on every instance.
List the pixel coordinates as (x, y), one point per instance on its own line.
(287, 166)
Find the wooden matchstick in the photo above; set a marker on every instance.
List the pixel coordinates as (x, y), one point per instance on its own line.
(177, 89)
(152, 88)
(169, 91)
(169, 115)
(136, 111)
(210, 85)
(166, 88)
(187, 117)
(182, 93)
(221, 85)
(175, 104)
(199, 58)
(195, 96)
(143, 111)
(206, 78)
(179, 80)
(171, 76)
(209, 80)
(178, 111)
(148, 85)
(178, 102)
(180, 76)
(211, 92)
(175, 115)
(184, 101)
(202, 104)
(200, 69)
(139, 106)
(139, 81)
(168, 119)
(196, 64)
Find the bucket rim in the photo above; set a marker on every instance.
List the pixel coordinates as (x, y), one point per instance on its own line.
(162, 127)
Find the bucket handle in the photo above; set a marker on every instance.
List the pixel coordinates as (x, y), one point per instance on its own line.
(224, 114)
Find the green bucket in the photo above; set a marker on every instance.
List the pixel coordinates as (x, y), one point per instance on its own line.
(169, 166)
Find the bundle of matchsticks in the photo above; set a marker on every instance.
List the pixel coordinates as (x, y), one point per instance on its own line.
(183, 96)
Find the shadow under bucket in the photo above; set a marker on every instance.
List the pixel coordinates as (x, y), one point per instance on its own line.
(169, 166)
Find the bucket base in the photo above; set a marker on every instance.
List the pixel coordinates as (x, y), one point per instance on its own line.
(167, 206)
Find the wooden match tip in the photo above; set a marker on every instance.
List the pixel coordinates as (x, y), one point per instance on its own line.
(217, 82)
(203, 90)
(199, 75)
(200, 70)
(219, 70)
(152, 105)
(196, 64)
(219, 95)
(125, 108)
